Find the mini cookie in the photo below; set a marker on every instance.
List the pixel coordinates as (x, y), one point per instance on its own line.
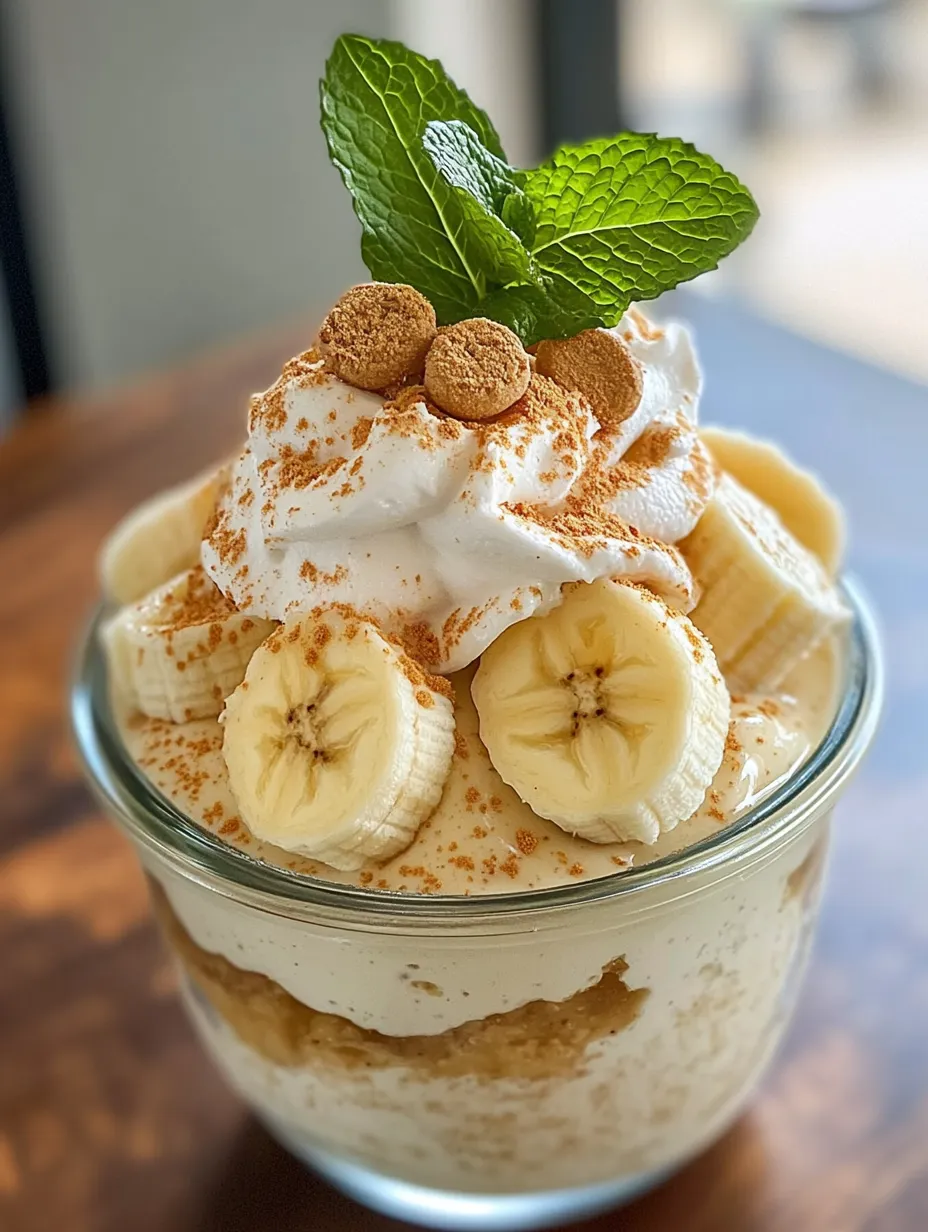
(600, 366)
(476, 369)
(377, 334)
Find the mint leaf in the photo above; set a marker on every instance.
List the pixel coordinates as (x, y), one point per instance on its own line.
(625, 218)
(484, 187)
(377, 97)
(518, 214)
(551, 309)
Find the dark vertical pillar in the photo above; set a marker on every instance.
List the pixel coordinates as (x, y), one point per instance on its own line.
(17, 280)
(579, 69)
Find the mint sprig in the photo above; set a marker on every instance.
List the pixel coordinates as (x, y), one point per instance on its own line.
(493, 206)
(549, 252)
(625, 218)
(377, 97)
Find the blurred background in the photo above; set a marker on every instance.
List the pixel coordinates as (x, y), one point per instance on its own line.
(164, 188)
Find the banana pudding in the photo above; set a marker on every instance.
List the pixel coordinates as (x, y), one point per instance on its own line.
(429, 655)
(490, 682)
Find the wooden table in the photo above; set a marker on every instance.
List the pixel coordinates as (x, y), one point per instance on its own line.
(110, 1116)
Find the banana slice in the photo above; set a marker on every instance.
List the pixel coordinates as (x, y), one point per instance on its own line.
(159, 538)
(808, 512)
(765, 600)
(608, 715)
(180, 652)
(337, 744)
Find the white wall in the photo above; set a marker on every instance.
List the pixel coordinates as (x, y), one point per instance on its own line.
(488, 47)
(175, 171)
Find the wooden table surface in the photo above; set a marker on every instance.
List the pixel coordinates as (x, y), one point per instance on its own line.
(110, 1116)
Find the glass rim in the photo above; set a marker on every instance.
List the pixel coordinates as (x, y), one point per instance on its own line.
(157, 825)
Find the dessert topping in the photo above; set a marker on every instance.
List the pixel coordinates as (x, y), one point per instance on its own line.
(598, 364)
(476, 369)
(337, 745)
(377, 334)
(548, 251)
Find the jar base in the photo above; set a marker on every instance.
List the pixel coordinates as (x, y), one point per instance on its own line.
(464, 1212)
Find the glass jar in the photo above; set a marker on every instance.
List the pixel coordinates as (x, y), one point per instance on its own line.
(503, 1060)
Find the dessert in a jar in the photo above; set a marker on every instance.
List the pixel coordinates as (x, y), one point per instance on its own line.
(486, 711)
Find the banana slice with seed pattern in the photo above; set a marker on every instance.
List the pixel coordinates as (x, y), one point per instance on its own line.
(608, 715)
(337, 744)
(182, 650)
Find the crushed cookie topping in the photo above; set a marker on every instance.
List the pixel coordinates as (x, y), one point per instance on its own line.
(330, 466)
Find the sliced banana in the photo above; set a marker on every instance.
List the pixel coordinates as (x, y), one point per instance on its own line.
(608, 715)
(182, 650)
(159, 538)
(765, 600)
(806, 509)
(337, 744)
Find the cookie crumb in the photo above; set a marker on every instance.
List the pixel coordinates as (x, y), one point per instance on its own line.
(476, 369)
(598, 364)
(377, 334)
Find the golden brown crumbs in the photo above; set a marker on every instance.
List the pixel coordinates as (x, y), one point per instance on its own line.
(526, 841)
(301, 471)
(228, 545)
(360, 431)
(316, 577)
(420, 643)
(200, 602)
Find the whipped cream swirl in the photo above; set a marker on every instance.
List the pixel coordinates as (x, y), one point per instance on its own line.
(446, 532)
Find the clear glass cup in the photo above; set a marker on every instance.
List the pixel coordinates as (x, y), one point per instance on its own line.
(501, 1061)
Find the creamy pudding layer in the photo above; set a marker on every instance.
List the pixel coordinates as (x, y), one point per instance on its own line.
(481, 839)
(648, 1059)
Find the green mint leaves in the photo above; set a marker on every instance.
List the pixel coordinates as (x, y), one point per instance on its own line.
(627, 217)
(548, 252)
(491, 207)
(376, 98)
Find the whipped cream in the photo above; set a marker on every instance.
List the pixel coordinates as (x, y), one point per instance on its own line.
(446, 532)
